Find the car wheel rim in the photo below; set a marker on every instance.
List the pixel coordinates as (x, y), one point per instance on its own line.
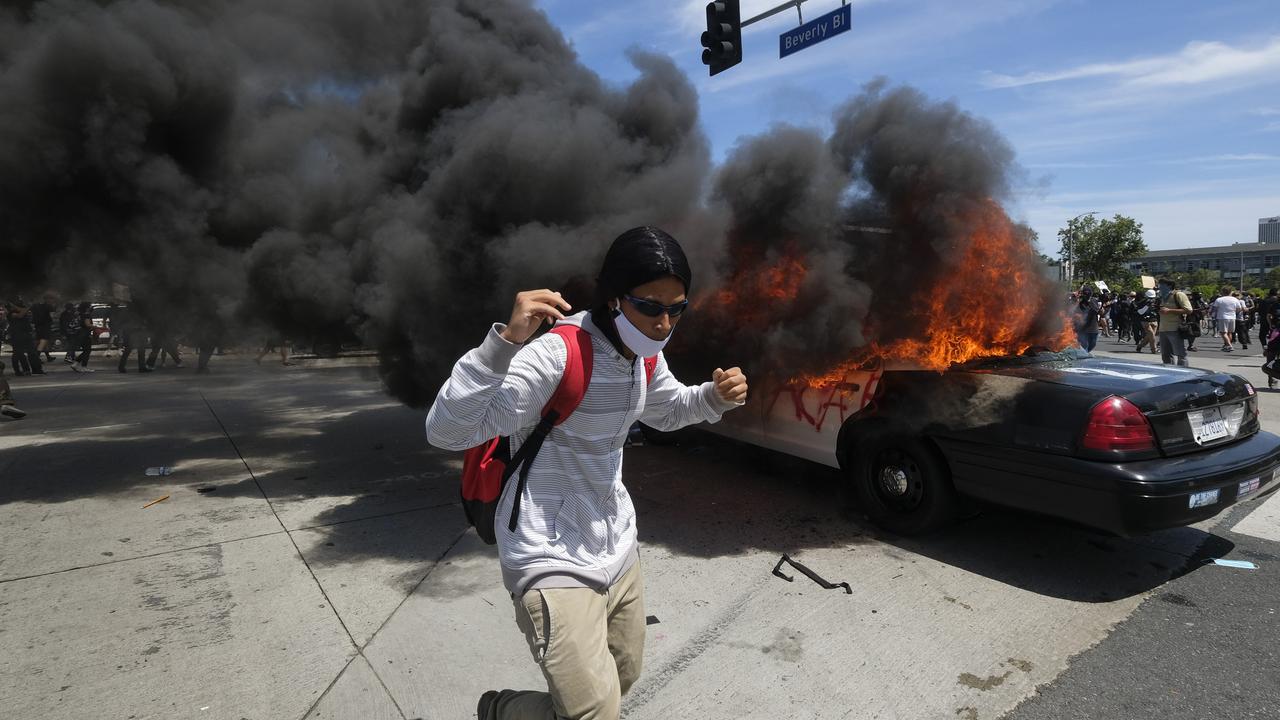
(898, 480)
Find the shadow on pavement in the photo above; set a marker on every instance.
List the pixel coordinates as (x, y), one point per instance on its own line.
(711, 497)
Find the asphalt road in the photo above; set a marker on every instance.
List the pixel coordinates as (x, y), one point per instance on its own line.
(309, 560)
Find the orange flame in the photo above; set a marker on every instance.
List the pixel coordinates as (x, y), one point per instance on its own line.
(958, 327)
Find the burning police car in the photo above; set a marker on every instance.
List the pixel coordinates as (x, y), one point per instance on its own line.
(1120, 446)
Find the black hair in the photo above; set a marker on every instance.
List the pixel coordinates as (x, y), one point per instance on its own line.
(637, 256)
(1167, 281)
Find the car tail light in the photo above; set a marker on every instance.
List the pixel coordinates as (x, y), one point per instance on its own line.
(1117, 424)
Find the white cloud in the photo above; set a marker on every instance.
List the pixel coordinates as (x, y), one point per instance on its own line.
(1197, 63)
(1243, 157)
(1265, 111)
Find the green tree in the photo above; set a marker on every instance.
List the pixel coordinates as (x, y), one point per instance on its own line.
(1272, 279)
(1100, 248)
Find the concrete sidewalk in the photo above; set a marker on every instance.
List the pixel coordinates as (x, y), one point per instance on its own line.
(300, 514)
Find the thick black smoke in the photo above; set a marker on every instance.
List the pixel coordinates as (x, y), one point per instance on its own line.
(400, 169)
(855, 233)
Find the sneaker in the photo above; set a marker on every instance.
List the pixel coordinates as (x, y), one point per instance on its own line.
(12, 411)
(77, 368)
(145, 370)
(482, 707)
(69, 361)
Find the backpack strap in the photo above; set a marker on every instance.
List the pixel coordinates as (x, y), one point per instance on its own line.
(566, 398)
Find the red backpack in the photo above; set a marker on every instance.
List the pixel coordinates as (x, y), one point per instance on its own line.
(487, 467)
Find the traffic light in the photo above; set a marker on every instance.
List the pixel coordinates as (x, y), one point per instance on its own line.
(723, 38)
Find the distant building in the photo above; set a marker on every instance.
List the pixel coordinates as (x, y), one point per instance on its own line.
(1224, 260)
(1269, 230)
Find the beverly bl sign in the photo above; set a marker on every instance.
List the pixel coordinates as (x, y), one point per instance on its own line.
(814, 31)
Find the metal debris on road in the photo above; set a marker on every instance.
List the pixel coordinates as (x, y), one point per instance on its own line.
(651, 620)
(202, 489)
(159, 471)
(157, 500)
(777, 570)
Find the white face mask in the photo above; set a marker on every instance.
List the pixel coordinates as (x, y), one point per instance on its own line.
(635, 340)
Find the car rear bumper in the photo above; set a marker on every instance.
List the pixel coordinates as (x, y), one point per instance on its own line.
(1122, 498)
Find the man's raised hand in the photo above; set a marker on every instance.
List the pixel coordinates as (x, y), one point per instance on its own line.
(731, 384)
(531, 309)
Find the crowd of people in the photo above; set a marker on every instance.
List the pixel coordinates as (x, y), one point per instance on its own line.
(35, 331)
(1174, 320)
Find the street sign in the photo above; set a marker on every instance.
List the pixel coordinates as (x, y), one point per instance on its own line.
(815, 31)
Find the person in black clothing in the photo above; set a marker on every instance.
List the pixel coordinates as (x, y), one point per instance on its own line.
(8, 407)
(42, 319)
(126, 324)
(1267, 307)
(208, 338)
(69, 326)
(26, 361)
(1198, 309)
(162, 344)
(1244, 318)
(84, 337)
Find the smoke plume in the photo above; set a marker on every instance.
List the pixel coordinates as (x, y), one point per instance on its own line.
(397, 170)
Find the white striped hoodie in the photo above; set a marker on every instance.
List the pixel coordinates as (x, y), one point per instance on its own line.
(577, 526)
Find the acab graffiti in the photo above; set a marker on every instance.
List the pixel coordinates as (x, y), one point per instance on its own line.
(815, 404)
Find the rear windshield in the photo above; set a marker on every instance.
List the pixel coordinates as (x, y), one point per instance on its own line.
(1032, 356)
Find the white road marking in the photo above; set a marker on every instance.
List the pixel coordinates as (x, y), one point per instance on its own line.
(1264, 521)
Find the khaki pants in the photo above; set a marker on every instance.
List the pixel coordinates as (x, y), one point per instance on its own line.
(1148, 336)
(589, 644)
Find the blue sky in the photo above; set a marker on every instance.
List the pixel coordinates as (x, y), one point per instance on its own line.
(1168, 112)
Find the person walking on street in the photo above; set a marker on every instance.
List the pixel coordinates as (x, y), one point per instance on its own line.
(1244, 317)
(1224, 309)
(84, 337)
(1148, 318)
(1086, 319)
(42, 319)
(272, 344)
(8, 407)
(127, 325)
(1198, 308)
(22, 337)
(570, 557)
(1174, 306)
(69, 326)
(1267, 307)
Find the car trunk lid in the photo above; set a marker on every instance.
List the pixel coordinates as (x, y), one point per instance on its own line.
(1199, 412)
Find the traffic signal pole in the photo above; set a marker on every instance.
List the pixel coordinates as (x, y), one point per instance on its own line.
(781, 8)
(723, 38)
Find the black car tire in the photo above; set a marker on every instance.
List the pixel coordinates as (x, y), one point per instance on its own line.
(902, 483)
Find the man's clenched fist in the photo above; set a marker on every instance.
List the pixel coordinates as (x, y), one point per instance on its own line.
(731, 384)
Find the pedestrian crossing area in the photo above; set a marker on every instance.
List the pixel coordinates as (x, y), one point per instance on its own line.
(1263, 521)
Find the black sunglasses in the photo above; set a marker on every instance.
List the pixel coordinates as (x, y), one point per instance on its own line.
(652, 309)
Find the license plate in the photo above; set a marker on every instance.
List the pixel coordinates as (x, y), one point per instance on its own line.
(1248, 486)
(1200, 499)
(1207, 425)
